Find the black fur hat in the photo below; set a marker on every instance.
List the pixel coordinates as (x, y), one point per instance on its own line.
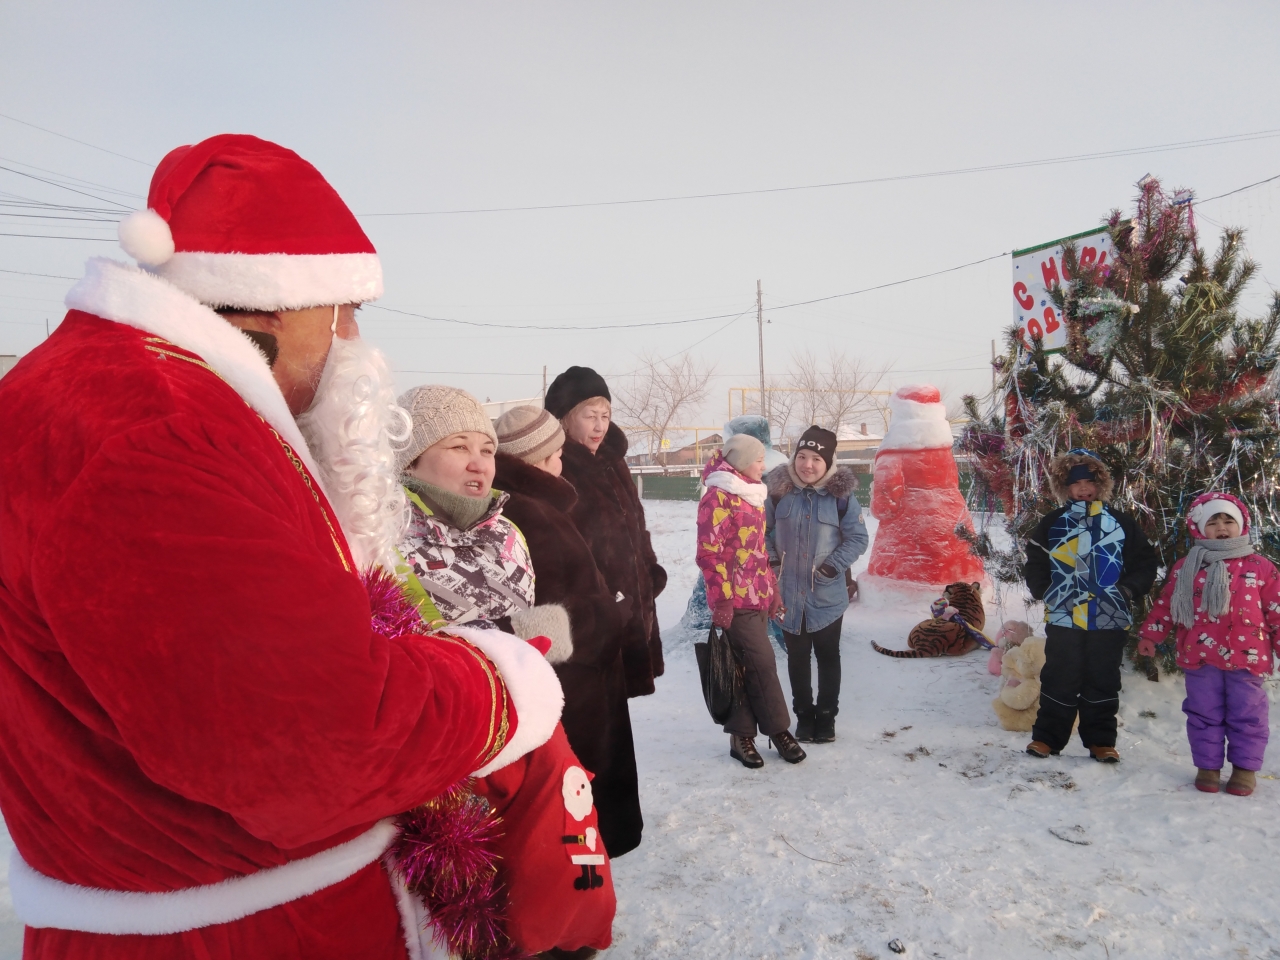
(572, 387)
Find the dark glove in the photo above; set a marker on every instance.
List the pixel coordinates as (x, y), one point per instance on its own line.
(722, 614)
(828, 571)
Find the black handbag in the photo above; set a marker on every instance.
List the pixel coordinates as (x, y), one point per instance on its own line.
(721, 675)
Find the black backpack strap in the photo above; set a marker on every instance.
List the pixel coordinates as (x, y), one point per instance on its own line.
(842, 506)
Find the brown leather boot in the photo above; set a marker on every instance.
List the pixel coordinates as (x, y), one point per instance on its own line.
(743, 749)
(1105, 754)
(787, 747)
(1208, 781)
(1038, 748)
(1242, 782)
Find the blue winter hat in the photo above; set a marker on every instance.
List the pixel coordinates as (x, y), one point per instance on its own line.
(1081, 471)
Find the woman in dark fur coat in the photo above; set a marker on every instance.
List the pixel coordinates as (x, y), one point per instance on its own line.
(596, 718)
(611, 517)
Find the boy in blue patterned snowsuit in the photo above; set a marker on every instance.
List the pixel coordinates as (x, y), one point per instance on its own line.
(1088, 562)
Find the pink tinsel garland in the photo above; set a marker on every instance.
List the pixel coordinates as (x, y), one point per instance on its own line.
(445, 850)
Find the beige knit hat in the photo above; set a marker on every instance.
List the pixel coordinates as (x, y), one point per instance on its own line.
(529, 433)
(438, 412)
(742, 450)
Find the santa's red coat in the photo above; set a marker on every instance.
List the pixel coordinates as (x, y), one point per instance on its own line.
(189, 686)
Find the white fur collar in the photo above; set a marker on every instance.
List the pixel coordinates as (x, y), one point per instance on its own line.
(125, 294)
(753, 493)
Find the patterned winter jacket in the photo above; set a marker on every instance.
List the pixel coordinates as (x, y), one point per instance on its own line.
(1245, 638)
(1088, 561)
(476, 576)
(731, 549)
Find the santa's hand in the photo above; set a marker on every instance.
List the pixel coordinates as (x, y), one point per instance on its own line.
(722, 614)
(1146, 647)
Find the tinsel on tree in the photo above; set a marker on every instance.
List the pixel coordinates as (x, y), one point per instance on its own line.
(1160, 376)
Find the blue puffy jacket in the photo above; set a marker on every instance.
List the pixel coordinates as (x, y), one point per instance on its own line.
(804, 530)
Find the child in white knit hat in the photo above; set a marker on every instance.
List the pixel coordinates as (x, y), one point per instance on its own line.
(1221, 604)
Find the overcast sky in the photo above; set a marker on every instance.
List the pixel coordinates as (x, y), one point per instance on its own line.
(410, 107)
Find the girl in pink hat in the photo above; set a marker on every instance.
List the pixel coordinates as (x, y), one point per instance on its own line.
(1221, 603)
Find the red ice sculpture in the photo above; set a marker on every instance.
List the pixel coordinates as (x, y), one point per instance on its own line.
(916, 497)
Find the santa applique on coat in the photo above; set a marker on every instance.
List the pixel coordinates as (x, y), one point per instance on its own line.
(581, 835)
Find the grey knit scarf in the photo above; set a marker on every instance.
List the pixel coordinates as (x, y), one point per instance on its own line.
(1216, 598)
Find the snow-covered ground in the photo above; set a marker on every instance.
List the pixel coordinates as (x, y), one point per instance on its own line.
(924, 822)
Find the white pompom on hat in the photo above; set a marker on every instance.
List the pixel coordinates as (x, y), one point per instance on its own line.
(1203, 512)
(239, 222)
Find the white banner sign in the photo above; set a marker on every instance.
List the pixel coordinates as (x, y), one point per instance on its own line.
(1036, 271)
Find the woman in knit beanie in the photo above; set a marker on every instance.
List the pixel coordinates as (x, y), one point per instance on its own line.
(462, 560)
(596, 718)
(742, 592)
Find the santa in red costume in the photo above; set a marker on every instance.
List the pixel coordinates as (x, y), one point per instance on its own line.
(916, 496)
(205, 737)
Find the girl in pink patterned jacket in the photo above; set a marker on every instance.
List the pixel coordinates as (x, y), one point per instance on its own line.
(1221, 603)
(743, 594)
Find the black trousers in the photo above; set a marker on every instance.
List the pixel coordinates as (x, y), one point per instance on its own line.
(825, 646)
(764, 704)
(1081, 676)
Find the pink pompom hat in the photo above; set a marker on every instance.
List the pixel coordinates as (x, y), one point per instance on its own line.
(239, 222)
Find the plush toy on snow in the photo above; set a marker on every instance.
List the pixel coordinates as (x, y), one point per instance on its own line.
(954, 629)
(1018, 702)
(1012, 633)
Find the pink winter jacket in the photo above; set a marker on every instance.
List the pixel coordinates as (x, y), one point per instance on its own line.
(731, 550)
(1243, 639)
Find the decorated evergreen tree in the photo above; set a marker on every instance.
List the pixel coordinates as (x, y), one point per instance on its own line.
(1160, 377)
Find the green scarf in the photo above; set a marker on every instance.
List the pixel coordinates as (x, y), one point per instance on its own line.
(460, 512)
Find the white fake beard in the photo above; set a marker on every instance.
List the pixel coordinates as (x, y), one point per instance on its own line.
(352, 428)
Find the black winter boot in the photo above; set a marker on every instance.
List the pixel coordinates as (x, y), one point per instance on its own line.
(787, 747)
(824, 727)
(743, 749)
(804, 726)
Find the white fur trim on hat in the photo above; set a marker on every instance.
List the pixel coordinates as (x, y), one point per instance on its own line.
(916, 426)
(274, 281)
(146, 237)
(1202, 513)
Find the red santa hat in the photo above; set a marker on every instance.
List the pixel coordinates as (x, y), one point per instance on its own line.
(917, 420)
(239, 222)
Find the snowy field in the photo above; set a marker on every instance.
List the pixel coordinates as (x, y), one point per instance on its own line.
(925, 822)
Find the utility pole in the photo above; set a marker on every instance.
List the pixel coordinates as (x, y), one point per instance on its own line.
(544, 384)
(760, 329)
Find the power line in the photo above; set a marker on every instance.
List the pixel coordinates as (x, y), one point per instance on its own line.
(83, 143)
(63, 186)
(953, 172)
(1237, 190)
(67, 176)
(51, 276)
(50, 236)
(535, 326)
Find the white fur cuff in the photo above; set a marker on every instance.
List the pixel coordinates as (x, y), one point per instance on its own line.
(534, 688)
(550, 620)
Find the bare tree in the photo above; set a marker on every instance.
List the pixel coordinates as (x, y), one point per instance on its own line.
(832, 392)
(660, 393)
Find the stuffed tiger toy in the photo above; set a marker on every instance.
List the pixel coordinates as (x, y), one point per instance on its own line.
(955, 629)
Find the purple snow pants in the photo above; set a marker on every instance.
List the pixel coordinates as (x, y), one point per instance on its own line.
(1230, 705)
